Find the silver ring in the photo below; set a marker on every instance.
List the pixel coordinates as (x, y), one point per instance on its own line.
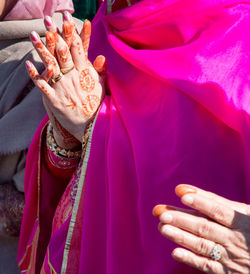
(215, 253)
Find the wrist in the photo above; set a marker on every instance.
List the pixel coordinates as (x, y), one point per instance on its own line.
(58, 150)
(72, 143)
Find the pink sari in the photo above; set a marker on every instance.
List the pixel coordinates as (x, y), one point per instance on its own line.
(178, 113)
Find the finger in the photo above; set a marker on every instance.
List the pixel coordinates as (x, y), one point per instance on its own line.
(69, 28)
(100, 65)
(48, 73)
(51, 38)
(38, 80)
(211, 208)
(73, 39)
(184, 189)
(63, 54)
(198, 262)
(47, 58)
(199, 226)
(85, 36)
(50, 24)
(196, 244)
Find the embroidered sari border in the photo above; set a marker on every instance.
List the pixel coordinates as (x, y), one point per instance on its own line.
(77, 199)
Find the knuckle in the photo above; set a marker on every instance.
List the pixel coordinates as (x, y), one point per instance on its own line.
(202, 247)
(206, 266)
(217, 213)
(204, 228)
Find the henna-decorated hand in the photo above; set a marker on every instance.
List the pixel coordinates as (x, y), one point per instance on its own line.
(73, 99)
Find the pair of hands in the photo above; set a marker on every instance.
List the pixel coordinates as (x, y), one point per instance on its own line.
(74, 96)
(215, 221)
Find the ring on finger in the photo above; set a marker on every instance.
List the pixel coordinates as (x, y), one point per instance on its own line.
(67, 70)
(215, 253)
(57, 78)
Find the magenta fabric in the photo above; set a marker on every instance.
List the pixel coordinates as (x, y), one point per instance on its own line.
(178, 113)
(28, 9)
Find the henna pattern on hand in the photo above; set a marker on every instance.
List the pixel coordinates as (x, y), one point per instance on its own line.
(90, 105)
(86, 80)
(72, 106)
(69, 32)
(79, 48)
(48, 59)
(39, 45)
(63, 54)
(68, 138)
(51, 42)
(43, 89)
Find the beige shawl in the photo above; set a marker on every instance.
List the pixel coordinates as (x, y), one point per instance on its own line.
(21, 107)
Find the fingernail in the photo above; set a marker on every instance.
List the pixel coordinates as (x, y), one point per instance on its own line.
(168, 230)
(181, 190)
(66, 16)
(158, 210)
(28, 64)
(178, 253)
(34, 36)
(187, 199)
(48, 21)
(166, 217)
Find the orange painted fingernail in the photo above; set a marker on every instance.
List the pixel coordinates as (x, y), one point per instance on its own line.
(159, 209)
(181, 190)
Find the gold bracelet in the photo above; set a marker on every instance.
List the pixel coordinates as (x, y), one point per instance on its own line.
(52, 145)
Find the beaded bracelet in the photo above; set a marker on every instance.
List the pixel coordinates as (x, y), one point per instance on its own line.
(52, 145)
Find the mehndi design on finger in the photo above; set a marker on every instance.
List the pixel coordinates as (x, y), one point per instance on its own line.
(69, 32)
(86, 32)
(63, 54)
(48, 59)
(90, 105)
(51, 42)
(86, 80)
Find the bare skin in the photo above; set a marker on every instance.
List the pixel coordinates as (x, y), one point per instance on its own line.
(222, 222)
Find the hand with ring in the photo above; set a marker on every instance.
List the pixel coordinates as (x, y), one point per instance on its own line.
(216, 236)
(71, 86)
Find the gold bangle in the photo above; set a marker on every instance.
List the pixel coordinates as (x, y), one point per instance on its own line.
(52, 145)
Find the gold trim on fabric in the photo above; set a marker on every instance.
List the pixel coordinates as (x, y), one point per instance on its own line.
(77, 200)
(38, 195)
(27, 247)
(50, 264)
